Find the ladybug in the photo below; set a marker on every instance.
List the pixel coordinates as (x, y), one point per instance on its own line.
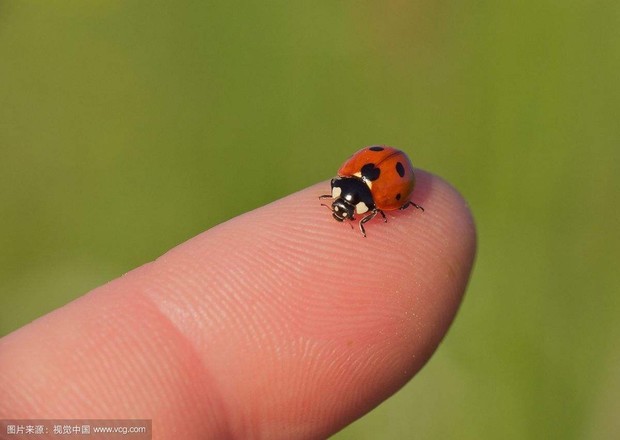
(375, 179)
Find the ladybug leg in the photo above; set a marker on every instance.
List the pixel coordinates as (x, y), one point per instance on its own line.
(410, 203)
(382, 215)
(368, 218)
(325, 196)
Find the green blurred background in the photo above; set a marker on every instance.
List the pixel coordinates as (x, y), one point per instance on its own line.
(128, 127)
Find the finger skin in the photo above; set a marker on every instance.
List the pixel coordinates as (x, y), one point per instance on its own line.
(280, 323)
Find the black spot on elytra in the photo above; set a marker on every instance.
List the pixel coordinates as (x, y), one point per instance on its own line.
(376, 148)
(398, 196)
(400, 169)
(370, 172)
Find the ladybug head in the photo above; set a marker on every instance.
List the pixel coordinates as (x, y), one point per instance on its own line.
(342, 210)
(351, 196)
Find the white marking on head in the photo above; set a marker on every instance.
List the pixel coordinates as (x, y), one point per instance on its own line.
(336, 190)
(361, 208)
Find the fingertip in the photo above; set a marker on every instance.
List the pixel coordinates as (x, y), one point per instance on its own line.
(321, 310)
